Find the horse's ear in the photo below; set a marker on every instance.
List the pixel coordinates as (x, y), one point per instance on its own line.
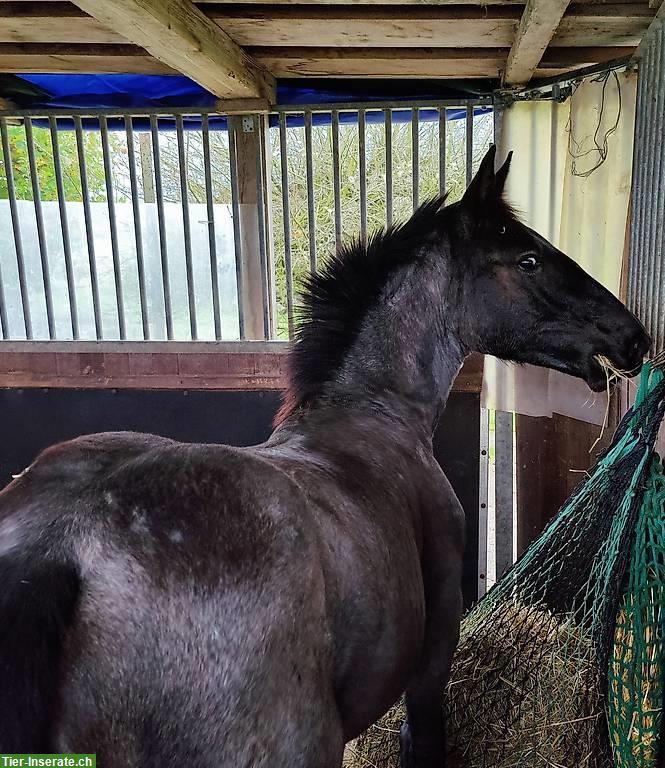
(501, 174)
(483, 184)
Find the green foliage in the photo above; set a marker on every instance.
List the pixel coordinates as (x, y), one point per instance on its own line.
(44, 162)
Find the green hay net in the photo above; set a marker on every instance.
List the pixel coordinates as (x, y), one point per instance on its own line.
(561, 664)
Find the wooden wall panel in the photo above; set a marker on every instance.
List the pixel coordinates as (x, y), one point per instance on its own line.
(163, 365)
(552, 455)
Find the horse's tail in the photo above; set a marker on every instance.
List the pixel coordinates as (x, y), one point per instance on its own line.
(38, 594)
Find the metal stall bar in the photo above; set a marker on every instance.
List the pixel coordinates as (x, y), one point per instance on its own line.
(41, 232)
(113, 224)
(638, 151)
(64, 227)
(186, 227)
(89, 229)
(415, 160)
(647, 217)
(362, 172)
(503, 492)
(286, 216)
(161, 221)
(336, 180)
(634, 282)
(212, 239)
(354, 106)
(639, 175)
(311, 211)
(658, 199)
(482, 502)
(237, 234)
(469, 143)
(261, 214)
(388, 114)
(646, 293)
(4, 325)
(138, 235)
(442, 151)
(16, 229)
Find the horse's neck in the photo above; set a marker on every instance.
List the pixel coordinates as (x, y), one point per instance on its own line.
(407, 354)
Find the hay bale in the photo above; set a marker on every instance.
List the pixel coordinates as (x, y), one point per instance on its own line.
(523, 691)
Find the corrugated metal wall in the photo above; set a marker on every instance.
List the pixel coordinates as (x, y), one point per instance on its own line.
(646, 281)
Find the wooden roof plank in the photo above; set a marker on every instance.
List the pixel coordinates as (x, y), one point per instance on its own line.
(88, 59)
(367, 25)
(178, 34)
(309, 61)
(289, 61)
(51, 22)
(538, 24)
(348, 3)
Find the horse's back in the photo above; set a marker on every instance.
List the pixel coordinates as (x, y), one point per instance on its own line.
(198, 630)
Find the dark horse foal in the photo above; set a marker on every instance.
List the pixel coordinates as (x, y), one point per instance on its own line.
(164, 604)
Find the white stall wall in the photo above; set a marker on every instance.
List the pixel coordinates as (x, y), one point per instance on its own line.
(128, 269)
(581, 210)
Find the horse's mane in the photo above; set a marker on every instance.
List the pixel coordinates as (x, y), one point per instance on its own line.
(335, 301)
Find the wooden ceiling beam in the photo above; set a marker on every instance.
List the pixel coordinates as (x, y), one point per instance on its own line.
(538, 24)
(179, 35)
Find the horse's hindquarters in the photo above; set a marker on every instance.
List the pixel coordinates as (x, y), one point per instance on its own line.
(174, 675)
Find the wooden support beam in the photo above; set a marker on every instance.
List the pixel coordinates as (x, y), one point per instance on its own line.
(538, 24)
(180, 36)
(242, 106)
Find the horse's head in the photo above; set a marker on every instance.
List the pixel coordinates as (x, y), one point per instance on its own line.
(527, 301)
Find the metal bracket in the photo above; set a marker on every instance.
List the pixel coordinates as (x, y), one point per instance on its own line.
(247, 124)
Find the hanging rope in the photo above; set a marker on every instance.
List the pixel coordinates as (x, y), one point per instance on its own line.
(600, 145)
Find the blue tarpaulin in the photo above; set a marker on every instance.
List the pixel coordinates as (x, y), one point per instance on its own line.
(127, 92)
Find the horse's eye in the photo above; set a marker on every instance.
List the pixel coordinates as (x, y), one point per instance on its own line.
(528, 263)
(502, 230)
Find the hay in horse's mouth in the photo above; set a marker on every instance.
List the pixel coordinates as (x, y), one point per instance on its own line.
(612, 372)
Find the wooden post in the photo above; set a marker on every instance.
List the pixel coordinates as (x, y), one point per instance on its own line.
(147, 171)
(253, 196)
